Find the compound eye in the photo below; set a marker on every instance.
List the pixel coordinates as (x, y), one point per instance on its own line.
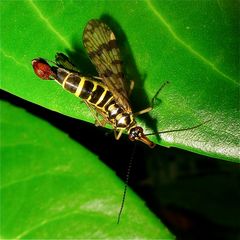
(132, 135)
(135, 133)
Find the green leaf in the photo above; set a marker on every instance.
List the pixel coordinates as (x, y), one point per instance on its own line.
(52, 187)
(193, 44)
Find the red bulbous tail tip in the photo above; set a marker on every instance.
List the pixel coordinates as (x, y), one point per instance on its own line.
(42, 69)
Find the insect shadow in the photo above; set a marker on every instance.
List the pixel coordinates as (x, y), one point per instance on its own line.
(138, 99)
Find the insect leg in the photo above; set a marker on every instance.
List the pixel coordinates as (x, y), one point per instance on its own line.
(156, 94)
(97, 78)
(118, 134)
(98, 122)
(103, 121)
(146, 110)
(131, 87)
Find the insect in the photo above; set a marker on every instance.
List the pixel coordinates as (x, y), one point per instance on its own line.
(106, 95)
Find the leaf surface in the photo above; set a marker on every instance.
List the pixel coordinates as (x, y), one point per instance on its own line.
(52, 187)
(194, 45)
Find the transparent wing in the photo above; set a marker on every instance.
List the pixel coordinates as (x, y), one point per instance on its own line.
(100, 43)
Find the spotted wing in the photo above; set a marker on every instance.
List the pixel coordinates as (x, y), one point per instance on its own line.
(100, 43)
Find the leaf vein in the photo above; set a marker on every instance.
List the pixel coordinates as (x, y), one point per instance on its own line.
(49, 25)
(12, 58)
(185, 45)
(47, 221)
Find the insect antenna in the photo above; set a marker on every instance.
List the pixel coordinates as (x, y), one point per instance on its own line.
(126, 182)
(180, 129)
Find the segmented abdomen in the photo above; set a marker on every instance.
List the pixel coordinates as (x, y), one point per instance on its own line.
(96, 94)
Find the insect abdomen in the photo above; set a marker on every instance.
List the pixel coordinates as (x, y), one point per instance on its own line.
(86, 88)
(95, 94)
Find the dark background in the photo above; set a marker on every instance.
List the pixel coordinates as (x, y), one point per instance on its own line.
(195, 196)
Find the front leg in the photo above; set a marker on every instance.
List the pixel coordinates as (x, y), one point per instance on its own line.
(146, 110)
(118, 134)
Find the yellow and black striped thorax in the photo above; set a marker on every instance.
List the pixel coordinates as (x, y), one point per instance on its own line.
(97, 95)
